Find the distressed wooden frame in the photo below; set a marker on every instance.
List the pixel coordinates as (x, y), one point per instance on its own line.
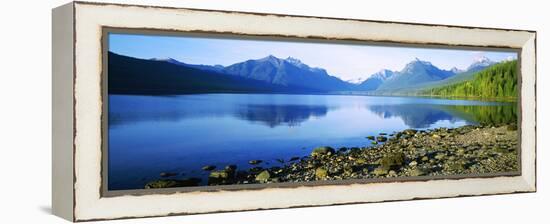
(78, 117)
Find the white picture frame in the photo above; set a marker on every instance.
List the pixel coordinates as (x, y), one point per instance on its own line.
(78, 107)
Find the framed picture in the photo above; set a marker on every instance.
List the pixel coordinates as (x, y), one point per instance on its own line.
(162, 111)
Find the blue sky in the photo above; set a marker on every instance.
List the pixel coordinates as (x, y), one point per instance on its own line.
(345, 61)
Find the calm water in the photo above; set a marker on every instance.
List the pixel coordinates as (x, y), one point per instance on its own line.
(181, 134)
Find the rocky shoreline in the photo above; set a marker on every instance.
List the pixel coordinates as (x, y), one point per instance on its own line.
(470, 149)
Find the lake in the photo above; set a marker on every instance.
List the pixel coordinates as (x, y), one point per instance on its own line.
(182, 133)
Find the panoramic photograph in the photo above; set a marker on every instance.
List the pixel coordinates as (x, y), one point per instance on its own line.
(192, 111)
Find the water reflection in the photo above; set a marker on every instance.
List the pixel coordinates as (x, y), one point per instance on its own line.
(274, 112)
(414, 115)
(275, 115)
(425, 115)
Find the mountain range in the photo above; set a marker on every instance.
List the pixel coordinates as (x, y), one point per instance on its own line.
(271, 74)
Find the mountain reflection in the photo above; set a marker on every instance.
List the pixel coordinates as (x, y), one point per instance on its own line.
(413, 115)
(425, 115)
(282, 110)
(275, 115)
(133, 109)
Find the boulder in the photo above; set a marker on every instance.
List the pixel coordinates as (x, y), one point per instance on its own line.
(254, 162)
(231, 167)
(410, 131)
(417, 172)
(321, 173)
(393, 160)
(381, 138)
(169, 183)
(360, 161)
(380, 171)
(263, 176)
(208, 168)
(324, 150)
(221, 177)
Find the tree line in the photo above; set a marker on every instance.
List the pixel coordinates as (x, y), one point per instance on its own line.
(497, 81)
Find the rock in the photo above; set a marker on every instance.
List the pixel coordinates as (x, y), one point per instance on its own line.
(392, 173)
(342, 149)
(501, 149)
(370, 137)
(455, 167)
(417, 172)
(231, 167)
(208, 168)
(168, 183)
(435, 136)
(380, 171)
(254, 162)
(413, 163)
(220, 177)
(294, 158)
(393, 160)
(383, 133)
(374, 143)
(440, 156)
(360, 161)
(221, 174)
(161, 184)
(321, 173)
(381, 138)
(263, 176)
(280, 160)
(256, 169)
(324, 150)
(410, 131)
(167, 174)
(512, 127)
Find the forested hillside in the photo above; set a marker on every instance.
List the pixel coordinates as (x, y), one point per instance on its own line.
(497, 81)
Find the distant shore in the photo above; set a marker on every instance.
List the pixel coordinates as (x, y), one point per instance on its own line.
(479, 149)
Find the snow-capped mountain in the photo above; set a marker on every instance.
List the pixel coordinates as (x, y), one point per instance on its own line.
(480, 63)
(287, 72)
(356, 80)
(293, 73)
(416, 72)
(376, 79)
(456, 70)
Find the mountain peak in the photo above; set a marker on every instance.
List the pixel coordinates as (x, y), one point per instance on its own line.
(356, 80)
(383, 74)
(480, 63)
(417, 65)
(271, 57)
(169, 60)
(483, 59)
(456, 70)
(293, 60)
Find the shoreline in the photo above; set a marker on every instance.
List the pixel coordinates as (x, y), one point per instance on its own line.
(469, 149)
